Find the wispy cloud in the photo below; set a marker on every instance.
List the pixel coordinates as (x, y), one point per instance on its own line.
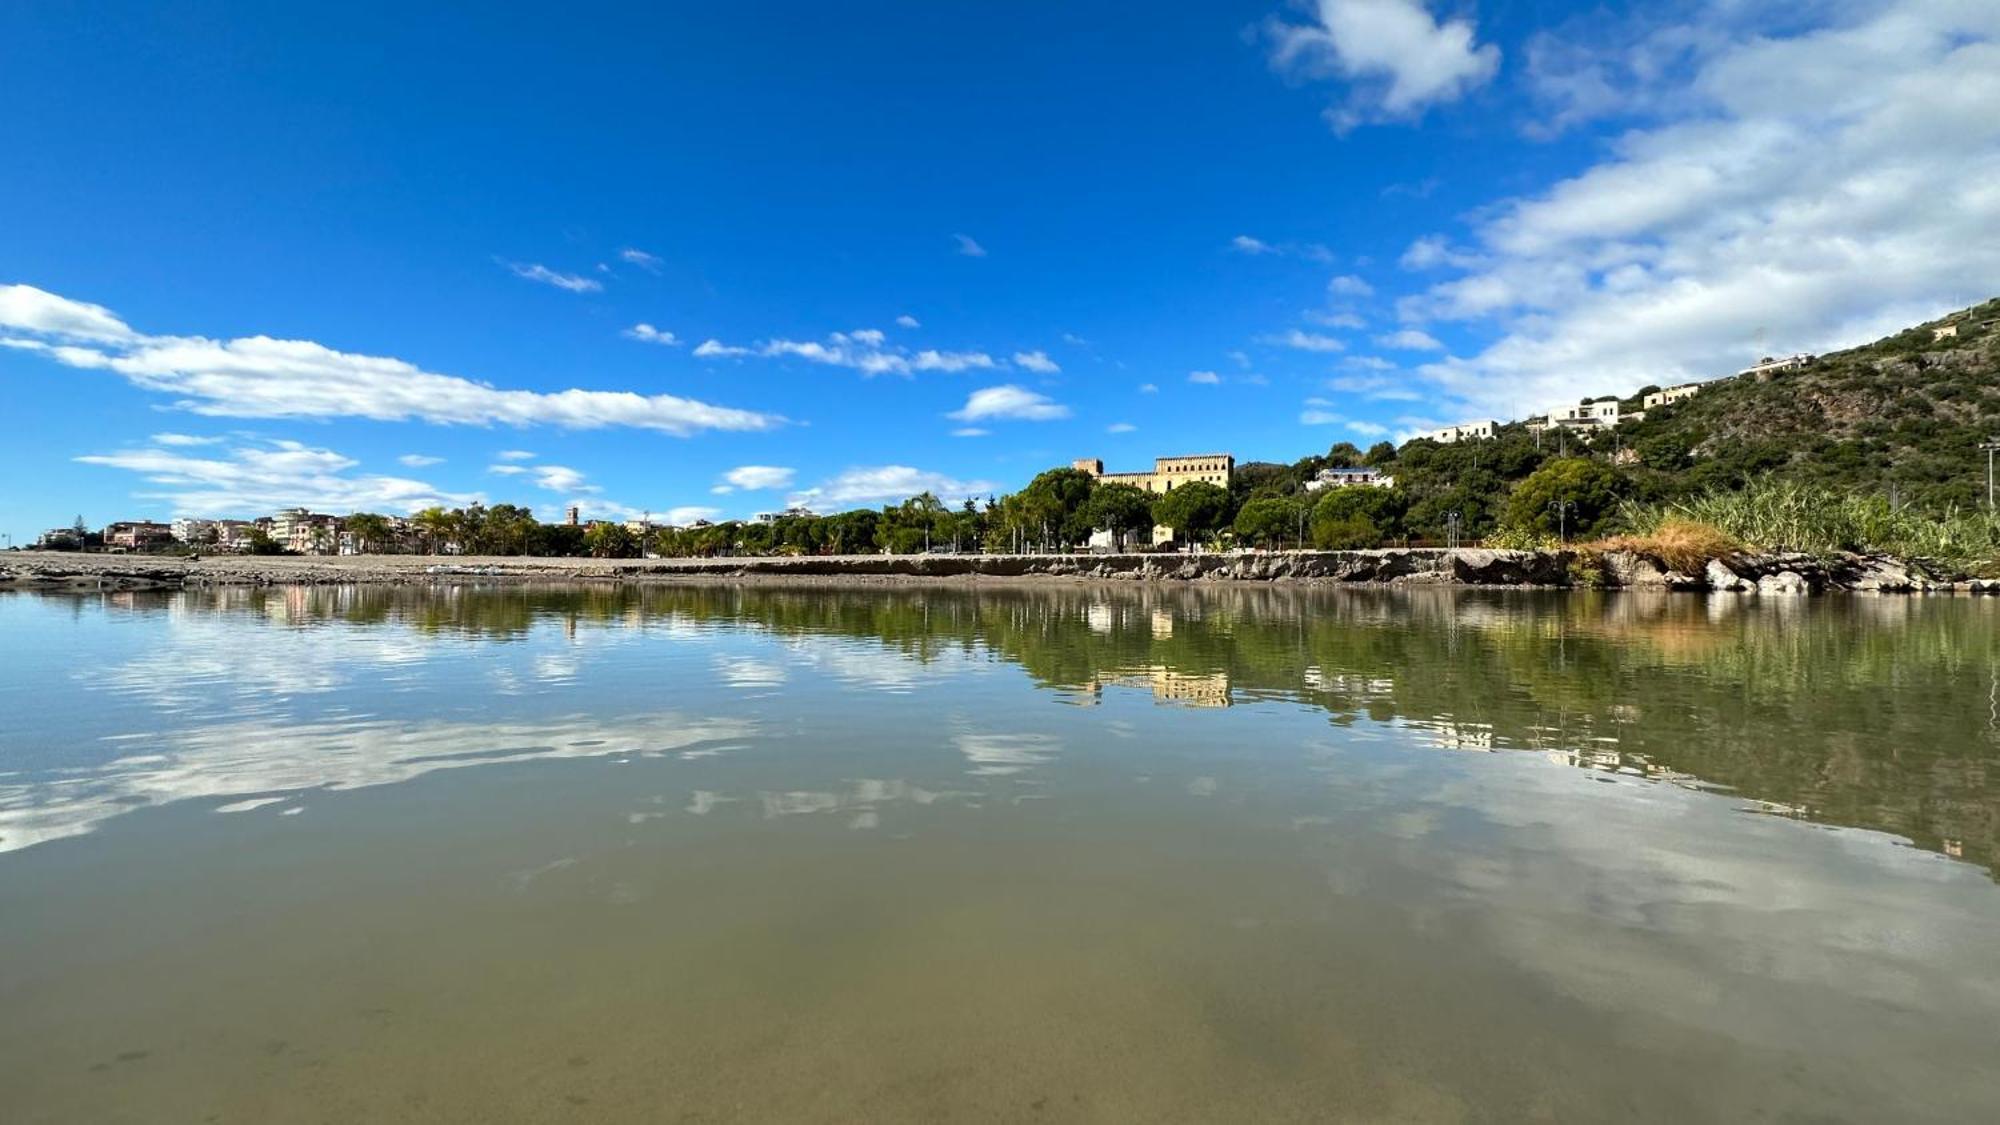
(908, 321)
(187, 440)
(262, 377)
(887, 483)
(754, 478)
(560, 478)
(634, 256)
(1257, 247)
(535, 271)
(970, 431)
(1036, 361)
(1149, 388)
(413, 460)
(1120, 428)
(866, 350)
(1410, 340)
(1009, 402)
(1348, 285)
(969, 247)
(1204, 378)
(261, 476)
(1307, 341)
(652, 335)
(516, 455)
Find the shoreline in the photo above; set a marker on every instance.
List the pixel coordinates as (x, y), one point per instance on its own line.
(1765, 574)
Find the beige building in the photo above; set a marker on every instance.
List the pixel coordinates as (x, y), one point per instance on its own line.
(1671, 395)
(1168, 472)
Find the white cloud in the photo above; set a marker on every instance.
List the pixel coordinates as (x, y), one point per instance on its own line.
(535, 271)
(652, 335)
(1036, 361)
(413, 460)
(1008, 401)
(866, 350)
(1318, 412)
(1348, 285)
(28, 309)
(1149, 388)
(1395, 56)
(1204, 378)
(560, 478)
(755, 478)
(634, 256)
(688, 513)
(886, 484)
(1307, 341)
(1410, 340)
(515, 455)
(1120, 428)
(1367, 429)
(969, 247)
(1336, 319)
(186, 440)
(261, 377)
(970, 431)
(260, 477)
(908, 321)
(1312, 251)
(1792, 189)
(507, 470)
(1432, 251)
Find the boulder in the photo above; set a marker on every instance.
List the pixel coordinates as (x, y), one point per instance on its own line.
(1722, 576)
(1784, 583)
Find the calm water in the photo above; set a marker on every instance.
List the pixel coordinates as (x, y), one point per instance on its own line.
(1030, 854)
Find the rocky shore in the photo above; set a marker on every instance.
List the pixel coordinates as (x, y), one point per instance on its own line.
(1762, 574)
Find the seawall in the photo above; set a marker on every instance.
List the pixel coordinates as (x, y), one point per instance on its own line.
(1767, 574)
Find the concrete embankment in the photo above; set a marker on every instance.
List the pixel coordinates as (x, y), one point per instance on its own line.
(1768, 574)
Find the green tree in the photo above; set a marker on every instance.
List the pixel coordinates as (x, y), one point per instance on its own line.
(610, 541)
(1572, 494)
(1195, 511)
(1269, 521)
(370, 531)
(1052, 506)
(1356, 517)
(1120, 509)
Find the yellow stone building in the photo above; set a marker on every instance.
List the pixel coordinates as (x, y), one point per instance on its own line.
(1168, 472)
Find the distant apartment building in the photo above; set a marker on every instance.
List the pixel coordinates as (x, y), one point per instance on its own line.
(134, 535)
(1465, 431)
(1670, 395)
(1351, 477)
(190, 530)
(305, 532)
(234, 535)
(1771, 366)
(59, 539)
(1168, 472)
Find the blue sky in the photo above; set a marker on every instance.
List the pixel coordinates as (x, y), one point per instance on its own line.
(708, 261)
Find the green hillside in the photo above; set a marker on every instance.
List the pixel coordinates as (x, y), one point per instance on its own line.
(1903, 416)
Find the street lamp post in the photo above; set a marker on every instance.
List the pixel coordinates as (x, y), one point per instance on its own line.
(1562, 509)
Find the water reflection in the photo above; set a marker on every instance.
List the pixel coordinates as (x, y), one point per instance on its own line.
(1881, 713)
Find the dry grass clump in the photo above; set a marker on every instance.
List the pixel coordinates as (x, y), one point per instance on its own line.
(1680, 544)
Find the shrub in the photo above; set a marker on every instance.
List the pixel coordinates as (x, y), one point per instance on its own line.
(1676, 542)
